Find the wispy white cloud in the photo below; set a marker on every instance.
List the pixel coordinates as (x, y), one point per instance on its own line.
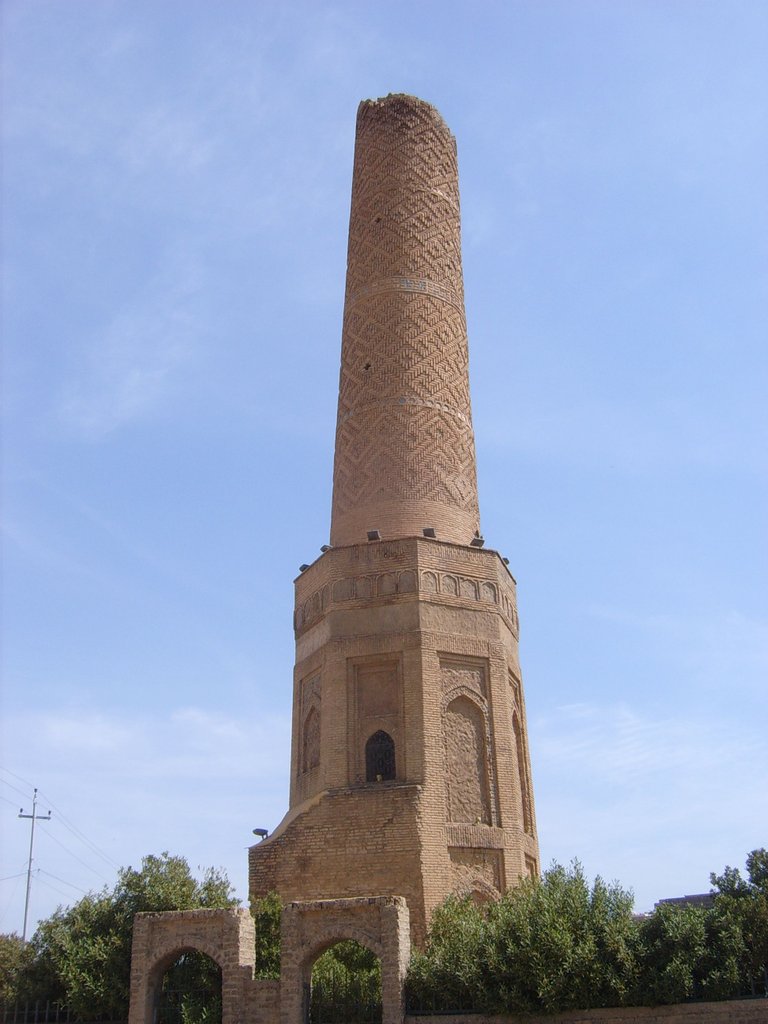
(39, 550)
(88, 736)
(617, 745)
(192, 742)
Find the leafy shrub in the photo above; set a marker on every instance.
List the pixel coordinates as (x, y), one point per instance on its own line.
(346, 985)
(549, 944)
(266, 913)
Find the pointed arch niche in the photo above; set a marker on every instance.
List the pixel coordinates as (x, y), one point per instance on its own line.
(380, 763)
(376, 722)
(310, 740)
(466, 762)
(522, 774)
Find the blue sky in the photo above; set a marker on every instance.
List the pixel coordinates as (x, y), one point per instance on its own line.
(176, 199)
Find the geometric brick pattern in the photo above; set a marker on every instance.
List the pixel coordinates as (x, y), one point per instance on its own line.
(405, 450)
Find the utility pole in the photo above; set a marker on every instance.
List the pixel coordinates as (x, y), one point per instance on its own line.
(34, 816)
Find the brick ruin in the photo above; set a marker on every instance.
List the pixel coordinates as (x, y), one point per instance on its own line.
(410, 774)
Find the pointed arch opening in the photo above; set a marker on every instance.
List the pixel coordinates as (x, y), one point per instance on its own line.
(380, 764)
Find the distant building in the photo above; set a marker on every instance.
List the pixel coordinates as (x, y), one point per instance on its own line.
(701, 899)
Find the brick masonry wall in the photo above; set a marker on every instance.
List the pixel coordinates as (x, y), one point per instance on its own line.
(307, 928)
(405, 450)
(350, 844)
(739, 1011)
(418, 638)
(227, 936)
(410, 641)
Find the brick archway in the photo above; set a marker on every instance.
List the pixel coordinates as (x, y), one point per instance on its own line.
(226, 936)
(381, 923)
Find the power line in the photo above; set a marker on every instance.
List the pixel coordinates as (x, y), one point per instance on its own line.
(16, 789)
(11, 896)
(41, 871)
(71, 827)
(9, 877)
(25, 781)
(55, 888)
(73, 854)
(13, 803)
(19, 777)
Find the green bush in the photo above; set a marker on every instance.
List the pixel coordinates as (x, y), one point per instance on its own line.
(266, 913)
(549, 944)
(558, 943)
(346, 985)
(673, 946)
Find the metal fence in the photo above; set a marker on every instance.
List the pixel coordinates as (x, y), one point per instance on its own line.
(356, 1000)
(40, 1012)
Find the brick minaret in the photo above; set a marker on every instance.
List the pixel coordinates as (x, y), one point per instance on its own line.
(405, 453)
(410, 773)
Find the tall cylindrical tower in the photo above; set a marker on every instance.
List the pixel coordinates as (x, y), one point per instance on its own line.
(405, 451)
(410, 773)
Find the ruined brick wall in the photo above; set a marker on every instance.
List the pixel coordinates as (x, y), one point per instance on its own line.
(405, 452)
(226, 936)
(351, 843)
(380, 923)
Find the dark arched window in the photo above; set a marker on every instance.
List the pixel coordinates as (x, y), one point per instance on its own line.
(380, 757)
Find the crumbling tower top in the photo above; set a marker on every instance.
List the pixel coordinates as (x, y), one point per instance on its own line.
(405, 450)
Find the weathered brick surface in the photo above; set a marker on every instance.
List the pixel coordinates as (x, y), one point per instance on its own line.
(227, 936)
(405, 450)
(308, 928)
(739, 1011)
(417, 637)
(411, 639)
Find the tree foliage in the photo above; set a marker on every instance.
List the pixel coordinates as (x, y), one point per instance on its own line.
(740, 917)
(81, 955)
(549, 944)
(672, 948)
(15, 963)
(558, 943)
(191, 992)
(346, 984)
(266, 914)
